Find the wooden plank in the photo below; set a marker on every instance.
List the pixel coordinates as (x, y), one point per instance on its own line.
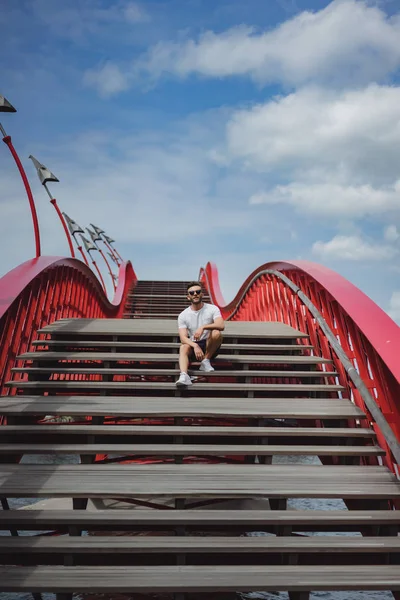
(301, 388)
(199, 578)
(151, 302)
(186, 430)
(88, 370)
(197, 544)
(196, 481)
(161, 327)
(189, 449)
(135, 406)
(51, 519)
(149, 344)
(172, 316)
(159, 357)
(131, 308)
(147, 314)
(160, 299)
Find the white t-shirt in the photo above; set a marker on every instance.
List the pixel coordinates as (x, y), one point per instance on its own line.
(193, 319)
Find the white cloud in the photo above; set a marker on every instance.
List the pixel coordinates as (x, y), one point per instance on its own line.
(348, 42)
(355, 134)
(394, 306)
(322, 152)
(391, 233)
(107, 79)
(352, 248)
(332, 199)
(154, 192)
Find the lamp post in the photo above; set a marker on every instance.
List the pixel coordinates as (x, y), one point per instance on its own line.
(101, 232)
(6, 107)
(113, 258)
(89, 247)
(74, 228)
(44, 177)
(96, 238)
(108, 241)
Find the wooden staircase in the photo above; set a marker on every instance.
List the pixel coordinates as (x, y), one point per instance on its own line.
(193, 468)
(158, 300)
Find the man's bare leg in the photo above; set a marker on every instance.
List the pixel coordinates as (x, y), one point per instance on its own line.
(214, 341)
(184, 353)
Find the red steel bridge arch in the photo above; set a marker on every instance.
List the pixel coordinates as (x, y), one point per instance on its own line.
(369, 338)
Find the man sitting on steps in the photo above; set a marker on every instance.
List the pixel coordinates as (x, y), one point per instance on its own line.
(200, 327)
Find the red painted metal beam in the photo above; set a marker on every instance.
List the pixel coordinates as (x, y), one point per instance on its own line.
(376, 325)
(368, 336)
(7, 140)
(48, 288)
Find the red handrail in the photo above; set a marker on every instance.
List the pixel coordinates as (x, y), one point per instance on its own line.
(370, 338)
(48, 288)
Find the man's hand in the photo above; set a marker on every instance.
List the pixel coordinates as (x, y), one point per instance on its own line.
(199, 354)
(198, 333)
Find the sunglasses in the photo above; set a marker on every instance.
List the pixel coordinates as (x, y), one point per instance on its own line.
(193, 292)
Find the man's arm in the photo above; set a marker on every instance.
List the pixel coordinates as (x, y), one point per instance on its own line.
(183, 334)
(218, 324)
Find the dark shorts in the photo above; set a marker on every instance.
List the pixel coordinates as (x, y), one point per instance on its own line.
(203, 344)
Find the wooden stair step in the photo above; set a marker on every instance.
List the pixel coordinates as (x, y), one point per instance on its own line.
(197, 481)
(87, 370)
(196, 544)
(189, 449)
(161, 385)
(29, 519)
(186, 430)
(152, 314)
(138, 327)
(207, 579)
(137, 317)
(175, 297)
(160, 302)
(176, 345)
(179, 298)
(161, 295)
(160, 357)
(135, 406)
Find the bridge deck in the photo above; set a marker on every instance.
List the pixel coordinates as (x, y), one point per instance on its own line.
(313, 520)
(196, 481)
(209, 456)
(205, 579)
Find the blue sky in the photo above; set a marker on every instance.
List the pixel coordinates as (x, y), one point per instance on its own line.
(195, 130)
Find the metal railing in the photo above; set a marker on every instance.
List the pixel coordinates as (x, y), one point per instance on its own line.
(303, 296)
(43, 290)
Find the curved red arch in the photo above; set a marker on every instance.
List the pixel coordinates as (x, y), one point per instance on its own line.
(48, 288)
(367, 335)
(379, 329)
(13, 283)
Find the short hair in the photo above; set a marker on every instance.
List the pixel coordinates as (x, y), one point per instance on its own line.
(192, 283)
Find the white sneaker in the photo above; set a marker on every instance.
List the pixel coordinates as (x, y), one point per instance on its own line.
(184, 380)
(205, 365)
